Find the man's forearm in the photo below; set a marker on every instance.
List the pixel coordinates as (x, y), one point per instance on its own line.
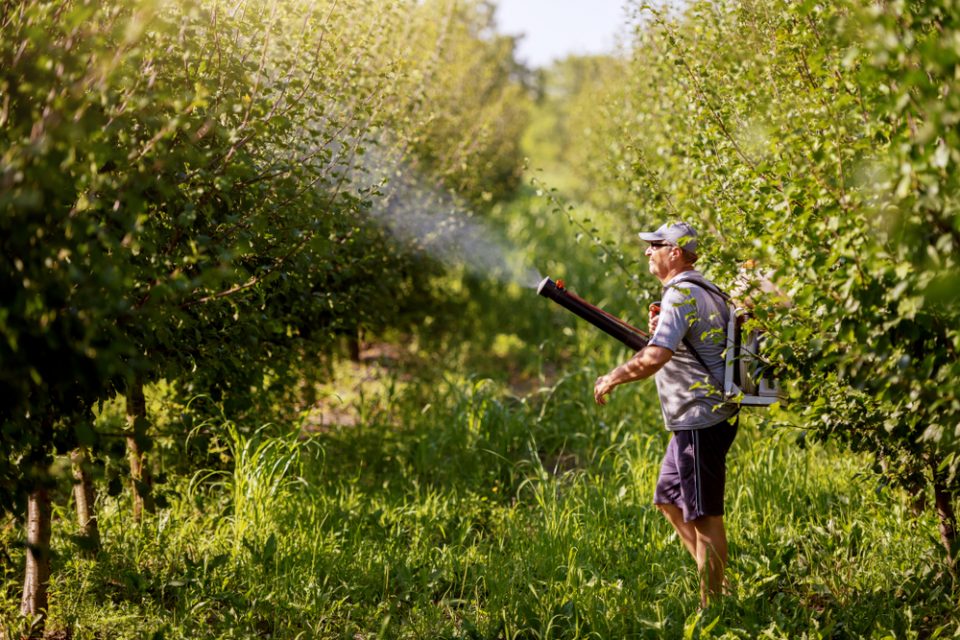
(644, 364)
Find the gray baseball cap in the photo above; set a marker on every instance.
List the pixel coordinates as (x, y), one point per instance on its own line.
(679, 234)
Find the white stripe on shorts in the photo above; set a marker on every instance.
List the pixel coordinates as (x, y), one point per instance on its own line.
(696, 473)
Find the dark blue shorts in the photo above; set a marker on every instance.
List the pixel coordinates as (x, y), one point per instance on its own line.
(694, 470)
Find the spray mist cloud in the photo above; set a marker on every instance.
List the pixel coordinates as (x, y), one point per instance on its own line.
(433, 220)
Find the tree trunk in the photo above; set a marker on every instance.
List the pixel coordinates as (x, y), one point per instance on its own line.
(943, 501)
(37, 575)
(84, 497)
(353, 344)
(139, 471)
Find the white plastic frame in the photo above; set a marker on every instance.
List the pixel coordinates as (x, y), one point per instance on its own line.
(757, 393)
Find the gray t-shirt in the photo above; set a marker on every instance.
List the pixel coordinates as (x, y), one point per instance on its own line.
(690, 398)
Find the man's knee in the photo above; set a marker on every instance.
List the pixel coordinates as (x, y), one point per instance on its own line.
(710, 534)
(708, 524)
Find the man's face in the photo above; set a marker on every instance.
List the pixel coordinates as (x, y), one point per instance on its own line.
(661, 258)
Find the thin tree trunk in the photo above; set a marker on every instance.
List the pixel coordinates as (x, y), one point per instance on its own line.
(353, 344)
(139, 471)
(84, 497)
(943, 501)
(37, 575)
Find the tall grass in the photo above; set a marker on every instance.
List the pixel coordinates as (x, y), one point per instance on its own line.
(264, 475)
(484, 517)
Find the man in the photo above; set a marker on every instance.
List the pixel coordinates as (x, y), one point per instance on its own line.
(685, 353)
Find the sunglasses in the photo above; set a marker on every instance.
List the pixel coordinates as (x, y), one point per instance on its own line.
(658, 245)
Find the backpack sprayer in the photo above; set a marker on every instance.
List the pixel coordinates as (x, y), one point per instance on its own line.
(746, 379)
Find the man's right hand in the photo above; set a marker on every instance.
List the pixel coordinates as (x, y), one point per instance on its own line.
(602, 387)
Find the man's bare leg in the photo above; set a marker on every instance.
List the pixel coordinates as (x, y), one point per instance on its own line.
(711, 555)
(706, 540)
(686, 530)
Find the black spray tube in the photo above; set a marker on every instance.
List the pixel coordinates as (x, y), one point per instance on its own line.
(611, 325)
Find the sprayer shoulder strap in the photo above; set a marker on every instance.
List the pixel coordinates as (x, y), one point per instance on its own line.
(686, 341)
(703, 284)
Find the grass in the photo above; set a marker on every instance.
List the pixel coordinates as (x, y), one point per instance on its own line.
(487, 517)
(477, 492)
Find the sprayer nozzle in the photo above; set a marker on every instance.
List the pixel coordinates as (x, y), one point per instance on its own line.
(543, 283)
